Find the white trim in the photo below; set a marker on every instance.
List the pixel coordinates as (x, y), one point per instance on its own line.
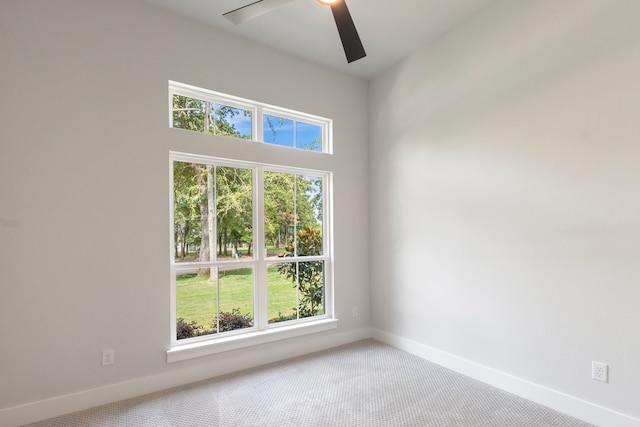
(48, 408)
(559, 401)
(181, 89)
(178, 353)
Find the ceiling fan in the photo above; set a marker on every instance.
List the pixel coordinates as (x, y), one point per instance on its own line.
(351, 43)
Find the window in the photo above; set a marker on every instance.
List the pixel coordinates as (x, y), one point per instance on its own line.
(293, 133)
(251, 259)
(205, 111)
(210, 117)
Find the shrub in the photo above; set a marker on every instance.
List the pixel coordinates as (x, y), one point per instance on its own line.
(188, 330)
(228, 322)
(234, 320)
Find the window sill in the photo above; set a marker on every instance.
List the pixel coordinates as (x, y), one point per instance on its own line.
(235, 342)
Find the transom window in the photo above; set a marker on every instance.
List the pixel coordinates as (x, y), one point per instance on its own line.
(250, 245)
(205, 111)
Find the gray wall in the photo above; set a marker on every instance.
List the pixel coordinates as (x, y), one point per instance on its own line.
(505, 208)
(84, 187)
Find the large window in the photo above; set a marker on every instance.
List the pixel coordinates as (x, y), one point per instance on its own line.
(250, 242)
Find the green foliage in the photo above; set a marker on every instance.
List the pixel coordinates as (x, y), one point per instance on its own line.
(193, 183)
(193, 186)
(228, 321)
(307, 276)
(232, 321)
(191, 114)
(187, 225)
(186, 329)
(234, 196)
(290, 201)
(278, 206)
(207, 117)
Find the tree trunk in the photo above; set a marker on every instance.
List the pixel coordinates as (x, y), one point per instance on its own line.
(202, 181)
(175, 239)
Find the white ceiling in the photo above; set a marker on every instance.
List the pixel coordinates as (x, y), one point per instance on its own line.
(390, 30)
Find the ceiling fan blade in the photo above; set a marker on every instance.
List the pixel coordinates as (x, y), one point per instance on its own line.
(348, 34)
(253, 10)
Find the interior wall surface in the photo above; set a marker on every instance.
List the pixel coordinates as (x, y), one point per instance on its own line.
(84, 184)
(504, 189)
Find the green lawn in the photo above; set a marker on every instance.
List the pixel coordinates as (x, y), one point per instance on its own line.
(197, 296)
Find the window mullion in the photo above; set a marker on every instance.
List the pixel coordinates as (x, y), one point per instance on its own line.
(259, 124)
(295, 133)
(295, 216)
(261, 304)
(212, 173)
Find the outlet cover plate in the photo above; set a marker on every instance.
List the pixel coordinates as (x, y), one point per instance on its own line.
(108, 357)
(600, 372)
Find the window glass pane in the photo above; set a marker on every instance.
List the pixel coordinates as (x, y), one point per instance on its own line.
(311, 288)
(309, 213)
(278, 131)
(209, 301)
(282, 293)
(196, 300)
(192, 203)
(192, 114)
(279, 209)
(234, 196)
(308, 136)
(295, 290)
(234, 122)
(212, 209)
(235, 299)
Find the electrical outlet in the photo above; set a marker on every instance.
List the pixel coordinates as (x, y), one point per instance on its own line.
(600, 372)
(108, 357)
(355, 312)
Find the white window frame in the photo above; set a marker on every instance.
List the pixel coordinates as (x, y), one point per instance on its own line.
(262, 331)
(257, 109)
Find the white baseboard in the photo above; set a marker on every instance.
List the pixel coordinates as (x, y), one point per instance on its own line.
(561, 402)
(60, 405)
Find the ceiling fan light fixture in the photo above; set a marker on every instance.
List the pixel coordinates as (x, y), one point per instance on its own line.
(349, 37)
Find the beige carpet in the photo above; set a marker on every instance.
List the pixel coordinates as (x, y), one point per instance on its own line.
(361, 384)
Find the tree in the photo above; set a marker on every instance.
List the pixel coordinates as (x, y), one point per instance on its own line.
(186, 209)
(290, 202)
(307, 276)
(234, 197)
(207, 117)
(279, 207)
(204, 182)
